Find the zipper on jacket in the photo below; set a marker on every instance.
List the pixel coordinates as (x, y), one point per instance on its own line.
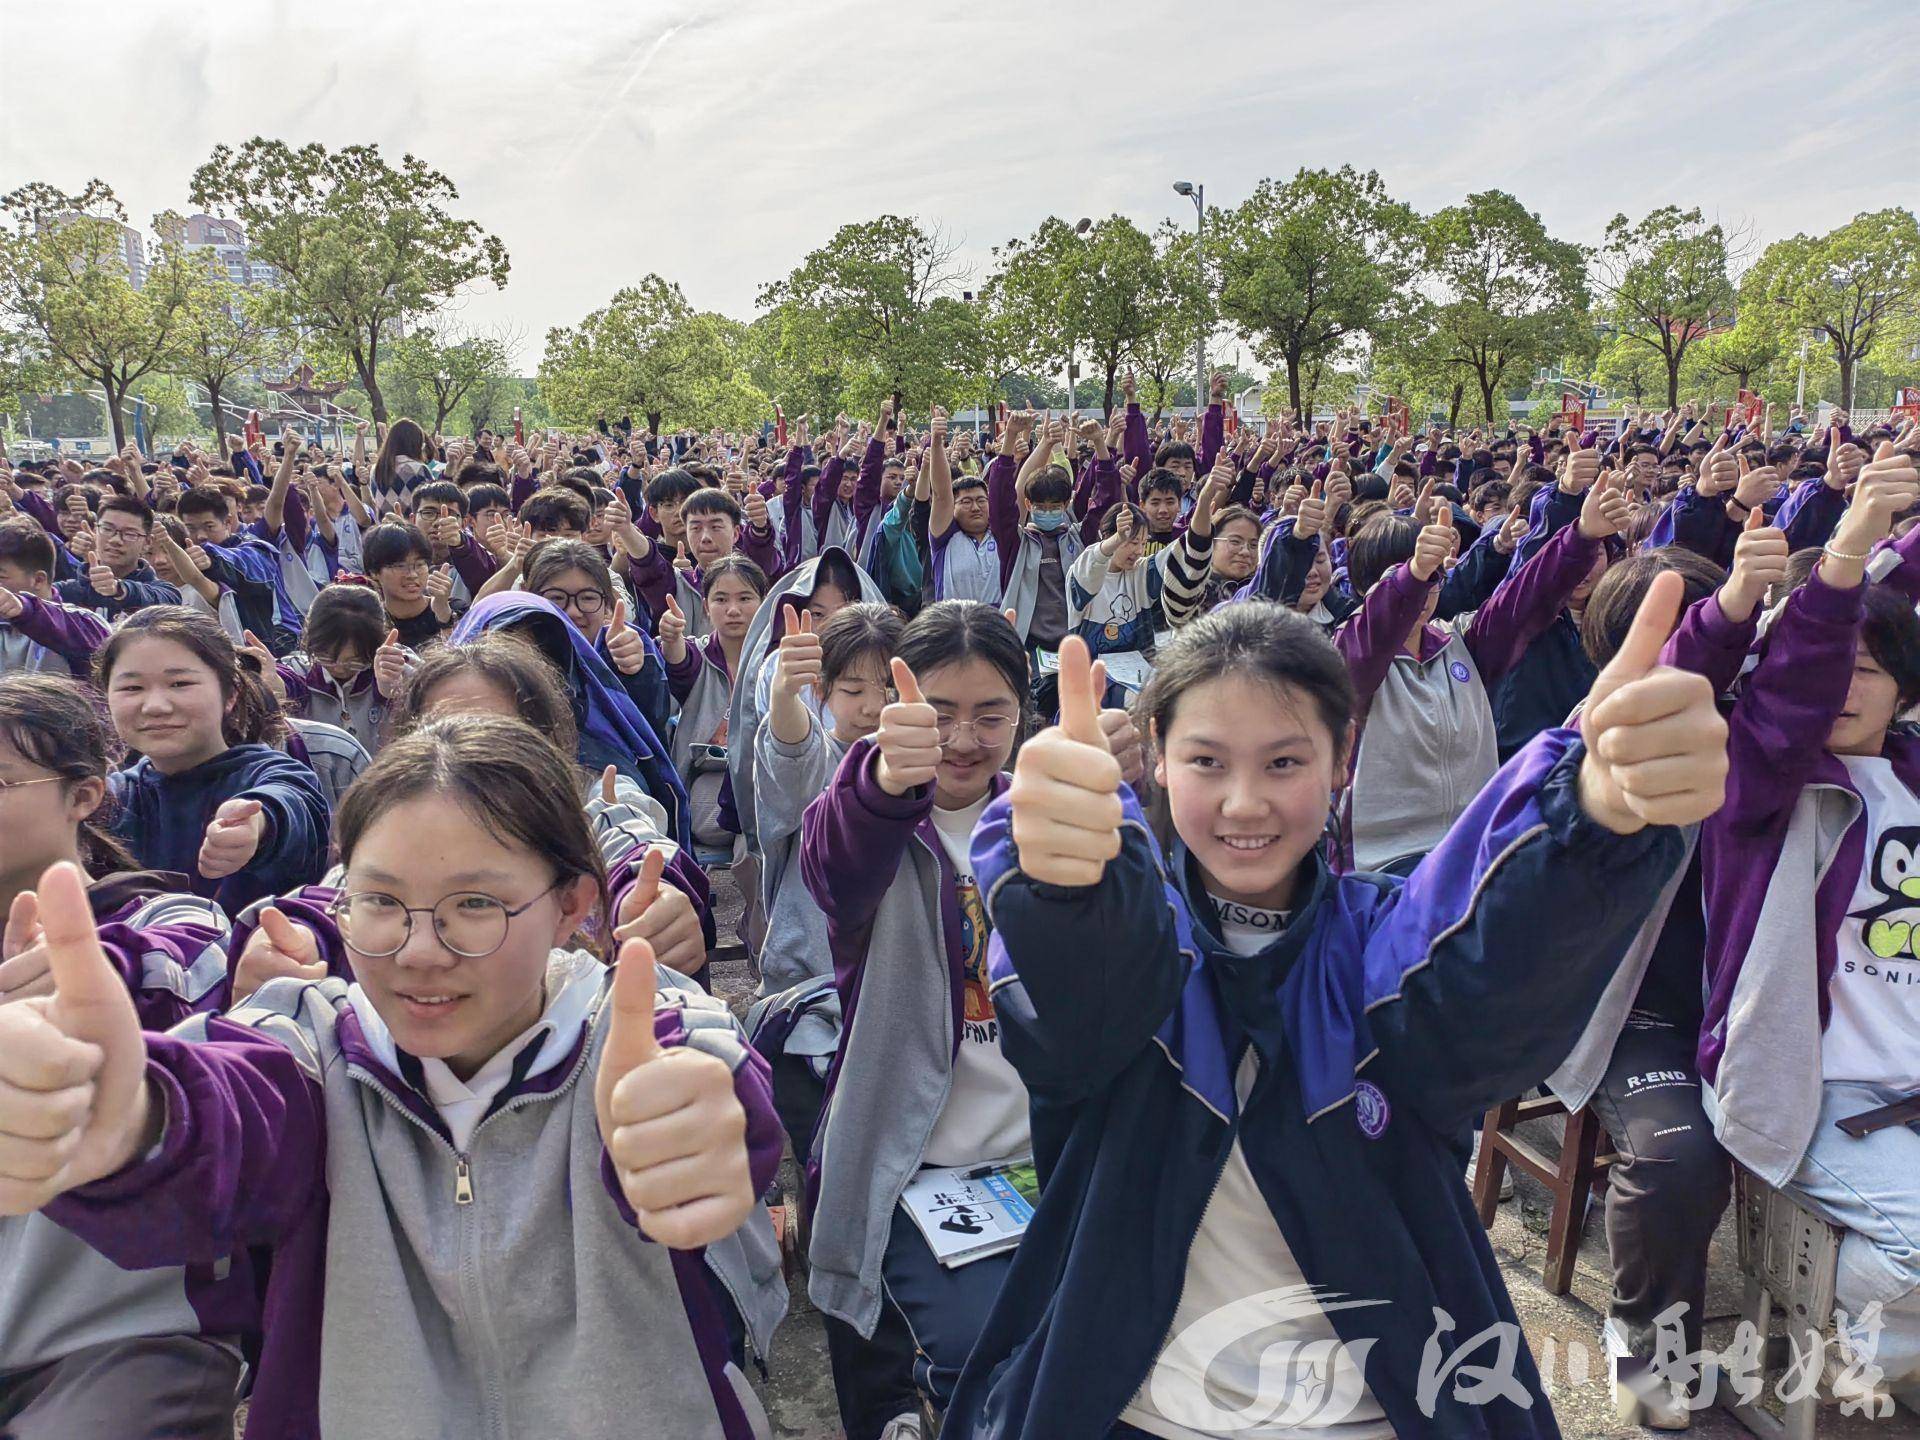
(462, 1180)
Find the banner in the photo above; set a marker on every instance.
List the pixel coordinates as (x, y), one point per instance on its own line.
(1573, 412)
(1749, 406)
(1906, 401)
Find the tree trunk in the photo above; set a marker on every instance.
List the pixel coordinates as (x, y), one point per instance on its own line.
(1293, 384)
(1486, 397)
(219, 419)
(116, 409)
(653, 422)
(1106, 404)
(1673, 380)
(1453, 405)
(1847, 363)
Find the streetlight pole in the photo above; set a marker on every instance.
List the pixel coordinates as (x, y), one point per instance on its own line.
(1197, 194)
(1800, 390)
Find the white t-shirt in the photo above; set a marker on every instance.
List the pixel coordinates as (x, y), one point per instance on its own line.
(1874, 1035)
(1240, 1360)
(986, 1114)
(463, 1104)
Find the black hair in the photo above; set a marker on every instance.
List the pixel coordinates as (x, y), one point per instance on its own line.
(439, 492)
(1052, 486)
(549, 558)
(479, 473)
(546, 511)
(55, 724)
(1174, 450)
(204, 500)
(735, 564)
(486, 497)
(343, 619)
(24, 543)
(713, 502)
(670, 486)
(512, 663)
(129, 505)
(1891, 632)
(1490, 494)
(1382, 543)
(1159, 480)
(393, 544)
(968, 482)
(948, 632)
(1616, 599)
(856, 632)
(405, 441)
(1258, 641)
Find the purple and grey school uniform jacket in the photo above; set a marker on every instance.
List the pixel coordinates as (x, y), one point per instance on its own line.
(500, 1291)
(58, 1294)
(50, 637)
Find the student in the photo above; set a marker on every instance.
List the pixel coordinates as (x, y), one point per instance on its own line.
(965, 556)
(1236, 555)
(37, 630)
(1120, 600)
(1028, 506)
(331, 678)
(210, 796)
(119, 580)
(481, 1082)
(701, 676)
(418, 598)
(574, 578)
(1161, 494)
(1310, 1045)
(922, 1081)
(439, 512)
(1427, 744)
(399, 470)
(1810, 861)
(247, 565)
(1296, 569)
(90, 1348)
(612, 730)
(715, 526)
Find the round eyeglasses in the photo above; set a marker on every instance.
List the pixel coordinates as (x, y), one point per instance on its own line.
(467, 923)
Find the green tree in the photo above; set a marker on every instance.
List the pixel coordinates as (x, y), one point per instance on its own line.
(225, 335)
(877, 305)
(1627, 367)
(647, 352)
(1740, 355)
(1309, 265)
(165, 408)
(444, 364)
(1509, 297)
(361, 246)
(1182, 311)
(64, 281)
(1847, 285)
(1663, 284)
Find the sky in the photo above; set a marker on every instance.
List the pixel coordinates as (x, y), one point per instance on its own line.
(715, 142)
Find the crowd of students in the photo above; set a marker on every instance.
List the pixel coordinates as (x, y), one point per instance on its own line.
(1217, 819)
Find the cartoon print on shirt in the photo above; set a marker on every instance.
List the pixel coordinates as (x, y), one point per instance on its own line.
(1892, 927)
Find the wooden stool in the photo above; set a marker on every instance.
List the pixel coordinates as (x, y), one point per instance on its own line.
(1571, 1177)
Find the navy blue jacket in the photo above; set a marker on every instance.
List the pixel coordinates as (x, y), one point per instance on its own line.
(164, 818)
(1397, 1012)
(139, 590)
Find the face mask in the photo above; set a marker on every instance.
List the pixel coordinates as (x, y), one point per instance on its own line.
(1050, 520)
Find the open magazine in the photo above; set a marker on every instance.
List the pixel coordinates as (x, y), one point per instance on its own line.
(967, 1215)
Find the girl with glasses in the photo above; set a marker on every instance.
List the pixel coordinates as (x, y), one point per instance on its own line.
(486, 1156)
(573, 577)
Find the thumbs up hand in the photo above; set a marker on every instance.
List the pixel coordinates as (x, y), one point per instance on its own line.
(278, 947)
(1066, 785)
(1759, 563)
(798, 665)
(73, 1095)
(673, 632)
(440, 593)
(390, 667)
(233, 835)
(908, 739)
(674, 1130)
(1656, 746)
(624, 645)
(663, 916)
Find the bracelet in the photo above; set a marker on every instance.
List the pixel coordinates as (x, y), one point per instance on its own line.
(1745, 509)
(1832, 553)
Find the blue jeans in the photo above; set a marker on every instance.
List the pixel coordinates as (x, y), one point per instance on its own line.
(945, 1309)
(1870, 1186)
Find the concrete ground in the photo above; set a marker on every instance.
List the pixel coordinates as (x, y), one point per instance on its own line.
(799, 1390)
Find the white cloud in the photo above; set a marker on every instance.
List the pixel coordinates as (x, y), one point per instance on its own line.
(716, 141)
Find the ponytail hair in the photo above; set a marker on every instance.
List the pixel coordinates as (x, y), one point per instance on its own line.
(252, 716)
(53, 723)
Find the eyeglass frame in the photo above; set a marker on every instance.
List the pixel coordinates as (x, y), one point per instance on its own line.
(6, 785)
(339, 904)
(953, 726)
(574, 597)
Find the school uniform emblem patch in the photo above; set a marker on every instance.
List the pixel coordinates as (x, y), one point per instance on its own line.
(1371, 1110)
(1458, 669)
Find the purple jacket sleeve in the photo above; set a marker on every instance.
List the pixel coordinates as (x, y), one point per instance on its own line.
(1527, 602)
(866, 493)
(474, 564)
(73, 635)
(1906, 576)
(1708, 643)
(306, 907)
(1103, 477)
(682, 872)
(1213, 434)
(1777, 732)
(520, 487)
(680, 677)
(852, 839)
(760, 546)
(1378, 630)
(1810, 514)
(1135, 447)
(242, 1159)
(1003, 512)
(173, 949)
